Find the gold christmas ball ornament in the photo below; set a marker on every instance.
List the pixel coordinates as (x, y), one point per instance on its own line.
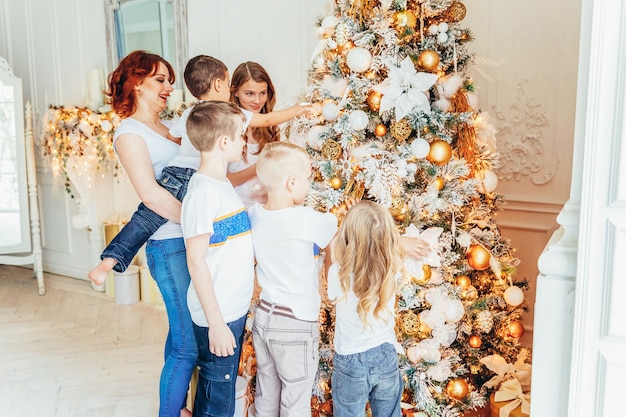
(516, 329)
(373, 100)
(440, 152)
(345, 48)
(410, 323)
(478, 257)
(463, 281)
(380, 130)
(427, 273)
(428, 60)
(439, 184)
(331, 149)
(475, 341)
(400, 130)
(405, 19)
(370, 75)
(457, 388)
(335, 183)
(456, 12)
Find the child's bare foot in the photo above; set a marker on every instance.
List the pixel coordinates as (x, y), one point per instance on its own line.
(100, 272)
(185, 412)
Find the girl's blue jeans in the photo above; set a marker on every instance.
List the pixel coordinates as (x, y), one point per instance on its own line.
(371, 376)
(215, 396)
(168, 265)
(144, 222)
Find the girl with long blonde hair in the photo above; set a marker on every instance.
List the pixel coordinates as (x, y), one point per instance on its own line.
(367, 261)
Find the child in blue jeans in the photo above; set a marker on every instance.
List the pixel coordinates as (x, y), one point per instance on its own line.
(366, 257)
(207, 78)
(220, 256)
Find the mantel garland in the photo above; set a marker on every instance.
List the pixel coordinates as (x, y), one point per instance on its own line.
(80, 140)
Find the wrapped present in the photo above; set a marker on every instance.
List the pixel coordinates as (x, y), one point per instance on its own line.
(510, 400)
(519, 370)
(512, 380)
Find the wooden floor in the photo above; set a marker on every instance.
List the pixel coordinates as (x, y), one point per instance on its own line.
(74, 352)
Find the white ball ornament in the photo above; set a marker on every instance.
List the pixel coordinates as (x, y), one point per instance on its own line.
(442, 37)
(330, 111)
(443, 27)
(358, 120)
(454, 310)
(329, 22)
(414, 353)
(314, 137)
(420, 148)
(359, 59)
(514, 296)
(432, 354)
(487, 181)
(433, 29)
(490, 181)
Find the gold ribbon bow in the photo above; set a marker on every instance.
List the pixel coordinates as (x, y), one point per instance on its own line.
(511, 390)
(519, 370)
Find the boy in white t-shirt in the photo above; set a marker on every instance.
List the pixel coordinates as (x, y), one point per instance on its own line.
(207, 79)
(285, 332)
(220, 255)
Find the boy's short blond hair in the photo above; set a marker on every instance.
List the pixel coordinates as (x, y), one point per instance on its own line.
(209, 120)
(280, 160)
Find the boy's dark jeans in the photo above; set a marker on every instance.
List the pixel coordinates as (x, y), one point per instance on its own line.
(144, 221)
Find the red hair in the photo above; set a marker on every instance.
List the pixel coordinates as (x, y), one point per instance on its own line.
(131, 71)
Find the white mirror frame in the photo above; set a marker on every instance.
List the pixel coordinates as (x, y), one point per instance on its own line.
(29, 251)
(180, 31)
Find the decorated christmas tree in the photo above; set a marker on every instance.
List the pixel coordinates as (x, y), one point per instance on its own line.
(400, 125)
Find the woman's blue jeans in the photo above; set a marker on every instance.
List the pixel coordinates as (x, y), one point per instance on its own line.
(167, 261)
(371, 375)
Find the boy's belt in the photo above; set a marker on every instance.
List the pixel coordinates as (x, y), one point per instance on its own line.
(276, 309)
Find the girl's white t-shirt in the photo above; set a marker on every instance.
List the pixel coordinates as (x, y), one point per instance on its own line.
(251, 191)
(351, 336)
(287, 268)
(160, 150)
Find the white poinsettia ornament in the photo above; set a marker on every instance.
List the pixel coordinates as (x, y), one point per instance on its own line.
(405, 89)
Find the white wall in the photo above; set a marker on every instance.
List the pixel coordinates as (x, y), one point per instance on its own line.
(527, 85)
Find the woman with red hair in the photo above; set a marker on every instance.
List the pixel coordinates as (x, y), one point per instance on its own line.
(138, 90)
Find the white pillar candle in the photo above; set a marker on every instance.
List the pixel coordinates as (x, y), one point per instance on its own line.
(175, 99)
(95, 86)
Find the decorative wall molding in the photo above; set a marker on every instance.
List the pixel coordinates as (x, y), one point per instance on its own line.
(521, 141)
